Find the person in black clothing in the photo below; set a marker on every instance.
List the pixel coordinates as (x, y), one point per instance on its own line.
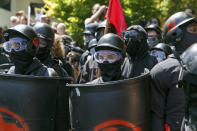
(89, 71)
(109, 55)
(187, 81)
(138, 58)
(167, 100)
(22, 45)
(89, 34)
(58, 53)
(46, 40)
(90, 68)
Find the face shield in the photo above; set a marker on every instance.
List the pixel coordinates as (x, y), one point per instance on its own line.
(107, 56)
(16, 44)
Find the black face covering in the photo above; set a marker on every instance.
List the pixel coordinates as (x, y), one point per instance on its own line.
(43, 53)
(187, 41)
(21, 60)
(152, 41)
(132, 47)
(110, 72)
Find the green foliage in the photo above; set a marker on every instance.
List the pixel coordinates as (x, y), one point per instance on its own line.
(74, 12)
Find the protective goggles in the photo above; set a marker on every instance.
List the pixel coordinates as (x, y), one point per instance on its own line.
(160, 55)
(132, 34)
(108, 56)
(15, 43)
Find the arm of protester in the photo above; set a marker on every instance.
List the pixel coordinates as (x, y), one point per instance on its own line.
(95, 16)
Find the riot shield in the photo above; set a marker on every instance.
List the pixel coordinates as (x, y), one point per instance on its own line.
(111, 106)
(30, 103)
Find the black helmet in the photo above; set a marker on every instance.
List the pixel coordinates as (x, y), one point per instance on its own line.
(92, 43)
(111, 40)
(26, 32)
(163, 47)
(188, 71)
(172, 29)
(90, 29)
(155, 28)
(44, 31)
(101, 25)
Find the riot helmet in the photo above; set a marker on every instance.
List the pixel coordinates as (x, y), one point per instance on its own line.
(112, 41)
(44, 31)
(46, 38)
(154, 35)
(173, 28)
(109, 45)
(101, 29)
(109, 54)
(22, 44)
(25, 32)
(161, 51)
(91, 46)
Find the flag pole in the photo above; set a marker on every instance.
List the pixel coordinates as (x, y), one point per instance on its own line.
(29, 16)
(107, 26)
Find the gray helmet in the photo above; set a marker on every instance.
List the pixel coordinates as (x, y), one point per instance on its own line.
(111, 41)
(163, 47)
(92, 43)
(90, 29)
(155, 28)
(26, 32)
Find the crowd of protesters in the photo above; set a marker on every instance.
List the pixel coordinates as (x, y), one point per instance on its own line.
(41, 49)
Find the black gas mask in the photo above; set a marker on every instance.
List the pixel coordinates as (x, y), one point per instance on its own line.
(132, 39)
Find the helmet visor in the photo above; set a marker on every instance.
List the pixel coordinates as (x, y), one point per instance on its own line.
(15, 43)
(108, 56)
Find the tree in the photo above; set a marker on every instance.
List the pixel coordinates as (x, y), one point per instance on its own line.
(74, 12)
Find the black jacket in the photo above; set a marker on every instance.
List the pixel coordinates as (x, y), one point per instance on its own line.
(36, 69)
(56, 64)
(168, 101)
(135, 67)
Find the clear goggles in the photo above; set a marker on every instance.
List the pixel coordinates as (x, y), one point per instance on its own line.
(15, 43)
(160, 55)
(107, 56)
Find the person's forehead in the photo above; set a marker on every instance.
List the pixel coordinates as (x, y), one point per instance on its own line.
(152, 32)
(188, 10)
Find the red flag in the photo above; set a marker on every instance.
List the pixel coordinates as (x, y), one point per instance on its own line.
(116, 16)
